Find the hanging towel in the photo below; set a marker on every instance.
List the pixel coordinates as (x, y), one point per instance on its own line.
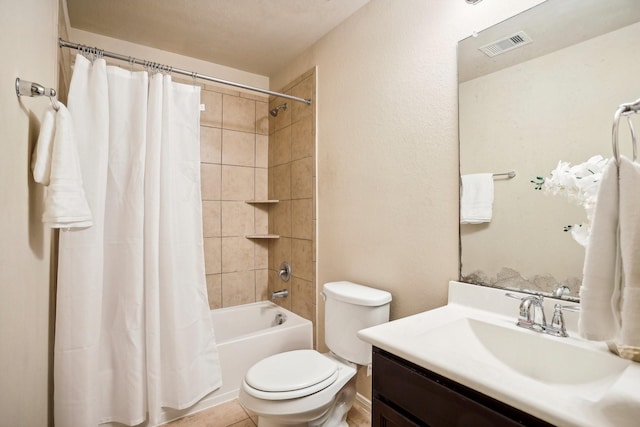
(41, 161)
(56, 164)
(629, 341)
(476, 202)
(600, 290)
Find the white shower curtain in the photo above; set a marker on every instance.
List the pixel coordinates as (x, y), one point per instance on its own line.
(133, 330)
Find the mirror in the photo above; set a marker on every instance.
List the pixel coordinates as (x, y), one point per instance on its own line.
(548, 100)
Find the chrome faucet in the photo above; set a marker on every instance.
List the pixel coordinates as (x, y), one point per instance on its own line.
(282, 293)
(532, 315)
(532, 320)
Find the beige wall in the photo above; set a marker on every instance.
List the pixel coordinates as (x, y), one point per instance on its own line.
(28, 46)
(387, 148)
(292, 182)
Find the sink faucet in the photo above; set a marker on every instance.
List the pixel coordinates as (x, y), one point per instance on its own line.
(532, 315)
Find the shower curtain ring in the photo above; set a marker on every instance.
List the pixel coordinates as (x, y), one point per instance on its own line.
(193, 76)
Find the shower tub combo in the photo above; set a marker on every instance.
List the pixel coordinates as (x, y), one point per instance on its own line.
(245, 335)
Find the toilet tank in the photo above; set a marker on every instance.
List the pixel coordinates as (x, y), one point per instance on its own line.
(348, 308)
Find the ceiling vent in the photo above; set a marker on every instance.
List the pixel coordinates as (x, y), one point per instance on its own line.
(508, 43)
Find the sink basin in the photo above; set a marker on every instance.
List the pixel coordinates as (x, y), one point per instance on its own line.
(547, 360)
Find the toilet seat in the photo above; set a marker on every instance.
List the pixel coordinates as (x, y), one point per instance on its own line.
(290, 375)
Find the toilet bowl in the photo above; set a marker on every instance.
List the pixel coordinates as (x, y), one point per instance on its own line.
(307, 388)
(324, 392)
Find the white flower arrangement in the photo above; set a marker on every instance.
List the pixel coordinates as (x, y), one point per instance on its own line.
(579, 184)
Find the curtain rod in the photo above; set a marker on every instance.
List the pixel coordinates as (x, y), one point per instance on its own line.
(161, 67)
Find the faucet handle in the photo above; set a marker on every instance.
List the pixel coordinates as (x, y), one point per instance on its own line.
(557, 326)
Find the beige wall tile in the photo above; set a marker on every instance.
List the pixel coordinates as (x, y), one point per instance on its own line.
(212, 255)
(261, 254)
(280, 182)
(304, 89)
(261, 190)
(262, 118)
(210, 181)
(302, 179)
(238, 288)
(280, 218)
(261, 219)
(237, 254)
(302, 259)
(214, 290)
(255, 96)
(212, 115)
(302, 219)
(262, 151)
(221, 88)
(280, 147)
(237, 183)
(279, 251)
(210, 144)
(237, 219)
(211, 218)
(302, 298)
(238, 114)
(302, 139)
(238, 148)
(262, 285)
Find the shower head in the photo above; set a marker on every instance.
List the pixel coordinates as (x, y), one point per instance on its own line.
(274, 112)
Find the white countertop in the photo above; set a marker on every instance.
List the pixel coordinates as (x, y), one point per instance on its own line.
(610, 401)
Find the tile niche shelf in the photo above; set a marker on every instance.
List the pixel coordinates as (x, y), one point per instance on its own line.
(261, 236)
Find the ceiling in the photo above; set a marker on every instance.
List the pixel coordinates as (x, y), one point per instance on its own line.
(553, 25)
(258, 36)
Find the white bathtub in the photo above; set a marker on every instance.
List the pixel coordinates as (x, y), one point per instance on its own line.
(246, 334)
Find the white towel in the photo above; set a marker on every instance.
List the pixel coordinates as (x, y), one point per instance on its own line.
(56, 164)
(41, 161)
(610, 292)
(629, 342)
(476, 201)
(600, 290)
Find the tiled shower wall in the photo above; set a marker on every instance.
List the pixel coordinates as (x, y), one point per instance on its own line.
(234, 154)
(247, 154)
(292, 182)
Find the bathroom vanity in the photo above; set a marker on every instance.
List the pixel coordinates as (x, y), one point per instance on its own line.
(405, 394)
(468, 364)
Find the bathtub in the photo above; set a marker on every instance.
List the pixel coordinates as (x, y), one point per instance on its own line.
(246, 334)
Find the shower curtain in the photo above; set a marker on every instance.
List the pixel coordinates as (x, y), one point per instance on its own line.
(133, 329)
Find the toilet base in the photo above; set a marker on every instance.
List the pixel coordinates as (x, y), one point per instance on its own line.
(336, 416)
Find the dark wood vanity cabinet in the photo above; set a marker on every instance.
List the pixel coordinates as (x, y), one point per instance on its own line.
(405, 394)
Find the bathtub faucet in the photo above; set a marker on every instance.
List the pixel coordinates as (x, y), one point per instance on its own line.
(282, 293)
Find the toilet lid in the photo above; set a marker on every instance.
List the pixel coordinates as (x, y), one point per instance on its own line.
(291, 374)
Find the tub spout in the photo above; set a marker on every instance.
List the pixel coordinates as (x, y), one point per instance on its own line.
(282, 293)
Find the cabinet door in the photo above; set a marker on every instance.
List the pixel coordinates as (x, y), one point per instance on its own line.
(385, 416)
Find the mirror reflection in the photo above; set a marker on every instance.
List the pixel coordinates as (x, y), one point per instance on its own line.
(547, 94)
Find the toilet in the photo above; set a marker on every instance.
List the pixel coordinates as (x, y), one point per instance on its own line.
(307, 388)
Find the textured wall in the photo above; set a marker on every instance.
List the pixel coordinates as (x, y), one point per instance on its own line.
(387, 144)
(28, 45)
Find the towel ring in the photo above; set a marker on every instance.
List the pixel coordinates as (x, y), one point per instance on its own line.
(625, 110)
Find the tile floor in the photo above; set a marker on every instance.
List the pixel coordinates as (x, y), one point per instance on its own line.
(231, 414)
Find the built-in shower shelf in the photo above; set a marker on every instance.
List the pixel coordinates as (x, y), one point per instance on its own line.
(256, 202)
(262, 236)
